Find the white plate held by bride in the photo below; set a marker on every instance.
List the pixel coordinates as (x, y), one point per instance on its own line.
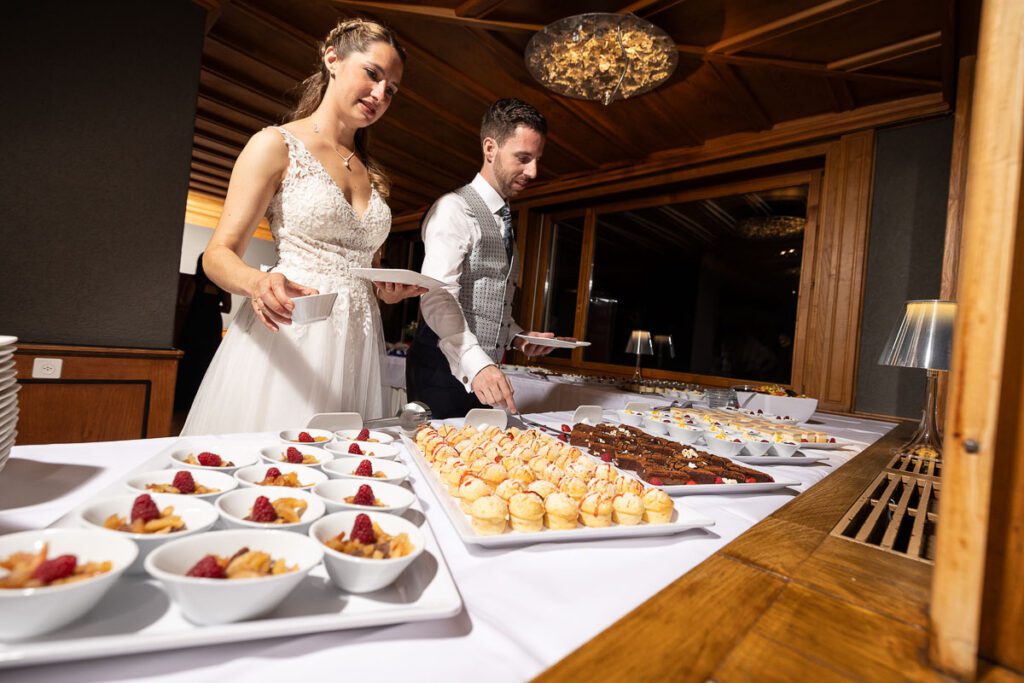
(396, 275)
(313, 308)
(553, 342)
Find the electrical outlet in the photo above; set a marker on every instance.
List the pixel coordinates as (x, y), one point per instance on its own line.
(47, 368)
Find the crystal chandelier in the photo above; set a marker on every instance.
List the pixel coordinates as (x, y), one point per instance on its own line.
(771, 227)
(601, 56)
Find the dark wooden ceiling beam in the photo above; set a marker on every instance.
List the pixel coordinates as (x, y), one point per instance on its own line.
(209, 179)
(445, 14)
(213, 158)
(888, 53)
(648, 8)
(205, 188)
(477, 8)
(213, 8)
(842, 96)
(798, 21)
(213, 143)
(215, 171)
(742, 96)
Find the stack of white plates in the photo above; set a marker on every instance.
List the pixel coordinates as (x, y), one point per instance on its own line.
(9, 388)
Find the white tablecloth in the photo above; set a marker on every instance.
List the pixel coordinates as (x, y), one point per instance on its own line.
(534, 394)
(525, 608)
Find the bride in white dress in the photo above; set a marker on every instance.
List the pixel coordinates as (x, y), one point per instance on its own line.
(324, 197)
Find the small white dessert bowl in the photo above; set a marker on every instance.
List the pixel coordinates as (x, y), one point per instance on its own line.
(369, 450)
(221, 482)
(238, 457)
(725, 448)
(785, 450)
(254, 474)
(361, 574)
(235, 506)
(198, 516)
(654, 425)
(312, 308)
(222, 601)
(344, 468)
(683, 434)
(319, 436)
(629, 417)
(27, 612)
(755, 447)
(278, 454)
(353, 434)
(395, 499)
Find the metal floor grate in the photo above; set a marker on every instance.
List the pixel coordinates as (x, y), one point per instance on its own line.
(897, 514)
(912, 464)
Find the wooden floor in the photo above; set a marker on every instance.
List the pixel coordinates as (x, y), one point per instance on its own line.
(783, 602)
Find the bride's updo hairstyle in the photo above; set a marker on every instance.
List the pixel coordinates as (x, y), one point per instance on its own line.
(350, 35)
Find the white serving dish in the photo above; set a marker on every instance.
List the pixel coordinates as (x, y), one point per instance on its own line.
(313, 308)
(239, 457)
(235, 506)
(360, 574)
(141, 619)
(655, 425)
(553, 342)
(795, 459)
(275, 454)
(342, 468)
(223, 601)
(798, 409)
(249, 476)
(207, 477)
(198, 516)
(291, 437)
(351, 434)
(396, 275)
(684, 435)
(683, 519)
(630, 418)
(369, 450)
(28, 612)
(333, 492)
(838, 445)
(784, 450)
(756, 487)
(754, 449)
(724, 448)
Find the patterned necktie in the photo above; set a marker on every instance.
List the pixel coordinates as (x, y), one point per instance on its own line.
(506, 234)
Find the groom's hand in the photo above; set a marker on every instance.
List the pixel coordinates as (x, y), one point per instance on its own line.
(492, 388)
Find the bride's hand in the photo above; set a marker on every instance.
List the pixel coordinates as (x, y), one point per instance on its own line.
(271, 299)
(393, 292)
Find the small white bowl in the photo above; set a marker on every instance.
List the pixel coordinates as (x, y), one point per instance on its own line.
(351, 434)
(785, 450)
(207, 477)
(312, 308)
(361, 574)
(250, 476)
(234, 507)
(396, 499)
(369, 450)
(756, 448)
(238, 457)
(291, 437)
(198, 516)
(655, 425)
(222, 601)
(724, 448)
(28, 612)
(684, 435)
(343, 468)
(629, 418)
(276, 454)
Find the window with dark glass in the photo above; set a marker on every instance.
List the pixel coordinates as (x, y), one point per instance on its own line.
(562, 284)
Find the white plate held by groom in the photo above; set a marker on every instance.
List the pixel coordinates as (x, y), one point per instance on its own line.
(396, 275)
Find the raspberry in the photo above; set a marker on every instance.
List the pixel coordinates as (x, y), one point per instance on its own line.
(273, 473)
(362, 530)
(764, 440)
(293, 455)
(832, 440)
(363, 435)
(718, 480)
(736, 441)
(144, 508)
(184, 482)
(607, 457)
(365, 469)
(655, 481)
(263, 511)
(354, 449)
(563, 437)
(364, 496)
(55, 569)
(207, 459)
(566, 428)
(497, 458)
(751, 480)
(207, 568)
(803, 441)
(691, 483)
(304, 437)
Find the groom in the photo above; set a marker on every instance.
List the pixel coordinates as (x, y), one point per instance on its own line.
(469, 242)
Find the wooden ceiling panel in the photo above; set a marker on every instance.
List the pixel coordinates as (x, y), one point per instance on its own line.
(789, 95)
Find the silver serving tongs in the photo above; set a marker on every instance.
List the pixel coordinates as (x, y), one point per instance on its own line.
(411, 416)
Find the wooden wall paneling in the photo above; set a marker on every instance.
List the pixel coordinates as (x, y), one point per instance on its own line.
(534, 286)
(957, 177)
(830, 354)
(804, 296)
(585, 279)
(971, 585)
(102, 394)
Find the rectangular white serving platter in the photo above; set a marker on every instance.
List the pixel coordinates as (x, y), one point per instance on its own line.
(137, 616)
(779, 459)
(683, 519)
(397, 275)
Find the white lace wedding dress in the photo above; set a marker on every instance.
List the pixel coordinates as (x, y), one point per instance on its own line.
(262, 380)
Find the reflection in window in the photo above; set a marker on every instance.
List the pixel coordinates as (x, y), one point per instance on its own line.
(563, 276)
(715, 281)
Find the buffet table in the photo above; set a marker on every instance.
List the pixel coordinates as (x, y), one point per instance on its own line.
(525, 608)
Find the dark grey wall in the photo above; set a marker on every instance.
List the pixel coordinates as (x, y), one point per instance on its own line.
(908, 224)
(96, 137)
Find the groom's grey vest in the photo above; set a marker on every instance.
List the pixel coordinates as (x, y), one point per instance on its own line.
(488, 280)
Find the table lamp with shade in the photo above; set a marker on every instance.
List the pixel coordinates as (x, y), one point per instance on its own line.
(640, 344)
(665, 348)
(923, 339)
